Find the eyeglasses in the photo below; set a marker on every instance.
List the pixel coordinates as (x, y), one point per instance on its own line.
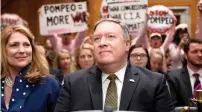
(142, 55)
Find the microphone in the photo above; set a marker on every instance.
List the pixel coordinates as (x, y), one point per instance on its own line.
(108, 109)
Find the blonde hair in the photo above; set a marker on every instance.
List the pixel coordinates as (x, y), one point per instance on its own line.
(57, 58)
(159, 52)
(38, 66)
(77, 54)
(156, 51)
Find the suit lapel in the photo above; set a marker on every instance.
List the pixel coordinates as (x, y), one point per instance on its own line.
(186, 80)
(129, 85)
(95, 87)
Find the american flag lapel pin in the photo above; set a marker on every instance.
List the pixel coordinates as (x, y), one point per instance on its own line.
(131, 80)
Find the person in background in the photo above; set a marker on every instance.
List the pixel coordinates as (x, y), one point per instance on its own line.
(168, 60)
(139, 56)
(184, 81)
(113, 82)
(24, 78)
(156, 61)
(180, 38)
(155, 41)
(84, 57)
(87, 43)
(52, 71)
(63, 62)
(50, 54)
(65, 41)
(176, 47)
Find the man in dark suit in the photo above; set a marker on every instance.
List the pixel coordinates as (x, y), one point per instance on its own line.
(114, 83)
(182, 82)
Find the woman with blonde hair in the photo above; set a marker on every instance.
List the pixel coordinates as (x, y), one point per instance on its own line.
(24, 78)
(84, 56)
(64, 62)
(156, 60)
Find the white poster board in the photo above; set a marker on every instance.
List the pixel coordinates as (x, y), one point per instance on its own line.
(130, 12)
(62, 18)
(161, 19)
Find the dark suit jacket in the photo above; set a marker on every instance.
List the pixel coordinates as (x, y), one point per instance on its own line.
(57, 73)
(82, 90)
(180, 86)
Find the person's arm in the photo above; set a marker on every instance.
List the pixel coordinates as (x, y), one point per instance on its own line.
(53, 95)
(56, 42)
(77, 41)
(142, 38)
(199, 25)
(172, 87)
(163, 101)
(63, 102)
(169, 38)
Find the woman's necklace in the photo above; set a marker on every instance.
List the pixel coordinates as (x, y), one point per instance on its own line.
(9, 82)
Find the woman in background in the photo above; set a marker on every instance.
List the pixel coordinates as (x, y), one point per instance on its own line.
(156, 61)
(25, 80)
(63, 62)
(139, 56)
(84, 56)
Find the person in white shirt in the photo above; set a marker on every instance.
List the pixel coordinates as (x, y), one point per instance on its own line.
(183, 82)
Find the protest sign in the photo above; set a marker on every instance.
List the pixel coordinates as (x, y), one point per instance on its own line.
(10, 19)
(62, 18)
(160, 19)
(131, 12)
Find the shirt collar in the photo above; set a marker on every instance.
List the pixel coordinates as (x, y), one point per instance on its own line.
(24, 70)
(120, 74)
(191, 72)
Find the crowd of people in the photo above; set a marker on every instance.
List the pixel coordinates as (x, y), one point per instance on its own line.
(105, 69)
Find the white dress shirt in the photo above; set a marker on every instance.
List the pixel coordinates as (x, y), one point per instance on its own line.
(119, 83)
(192, 78)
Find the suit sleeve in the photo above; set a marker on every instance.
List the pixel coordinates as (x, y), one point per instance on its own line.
(163, 100)
(173, 91)
(63, 102)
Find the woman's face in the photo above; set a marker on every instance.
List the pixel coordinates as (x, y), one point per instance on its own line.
(64, 60)
(18, 50)
(156, 62)
(156, 42)
(139, 57)
(86, 58)
(183, 34)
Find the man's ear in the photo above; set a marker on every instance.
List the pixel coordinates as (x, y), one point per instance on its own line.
(185, 56)
(128, 44)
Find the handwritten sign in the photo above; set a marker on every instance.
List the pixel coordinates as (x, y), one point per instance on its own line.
(63, 18)
(131, 12)
(161, 19)
(10, 19)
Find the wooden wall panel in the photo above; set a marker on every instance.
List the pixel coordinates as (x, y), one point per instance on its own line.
(28, 9)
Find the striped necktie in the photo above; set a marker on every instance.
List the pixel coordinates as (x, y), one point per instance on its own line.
(111, 96)
(197, 84)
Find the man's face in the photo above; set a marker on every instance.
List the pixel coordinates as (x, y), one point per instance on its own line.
(194, 55)
(110, 47)
(156, 42)
(66, 38)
